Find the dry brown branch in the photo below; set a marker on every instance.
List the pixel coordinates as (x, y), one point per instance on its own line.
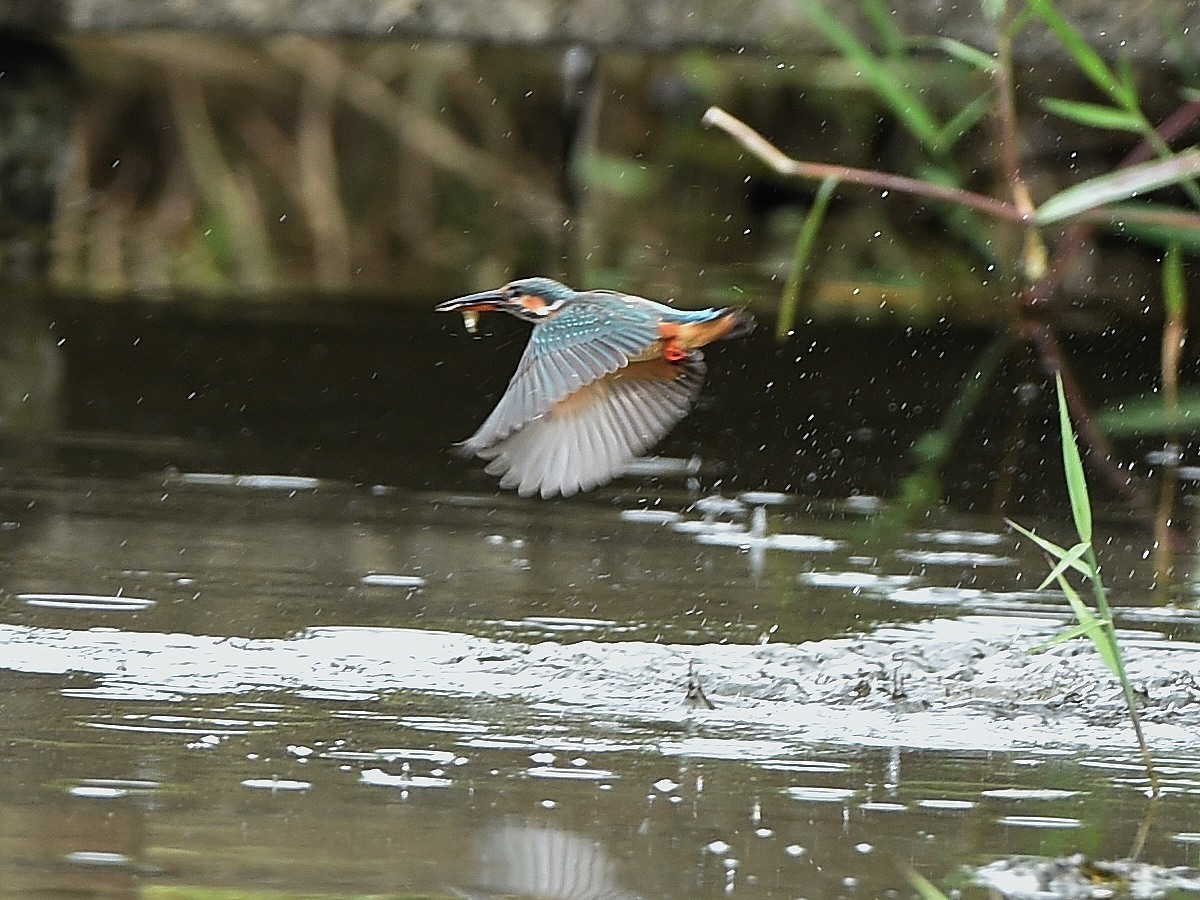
(320, 191)
(425, 134)
(250, 247)
(766, 152)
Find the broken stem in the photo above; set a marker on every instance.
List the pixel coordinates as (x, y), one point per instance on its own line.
(776, 159)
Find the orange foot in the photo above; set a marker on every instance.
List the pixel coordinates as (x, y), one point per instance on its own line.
(672, 351)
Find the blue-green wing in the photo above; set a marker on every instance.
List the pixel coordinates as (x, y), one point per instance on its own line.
(585, 341)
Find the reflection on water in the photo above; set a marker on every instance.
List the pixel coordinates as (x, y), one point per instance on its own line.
(543, 861)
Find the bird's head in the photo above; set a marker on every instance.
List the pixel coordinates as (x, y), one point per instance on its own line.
(534, 299)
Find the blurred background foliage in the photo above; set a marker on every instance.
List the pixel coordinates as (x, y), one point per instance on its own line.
(217, 171)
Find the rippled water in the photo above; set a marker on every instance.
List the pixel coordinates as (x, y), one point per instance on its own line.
(342, 690)
(275, 680)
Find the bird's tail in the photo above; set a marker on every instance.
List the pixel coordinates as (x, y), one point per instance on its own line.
(716, 325)
(737, 323)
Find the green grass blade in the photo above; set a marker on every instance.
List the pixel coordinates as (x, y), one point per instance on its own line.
(614, 175)
(804, 245)
(966, 119)
(1070, 634)
(1103, 638)
(994, 10)
(904, 103)
(1083, 612)
(926, 889)
(964, 53)
(1148, 416)
(1119, 185)
(1050, 547)
(1125, 75)
(1081, 508)
(1088, 60)
(1072, 559)
(1094, 115)
(882, 17)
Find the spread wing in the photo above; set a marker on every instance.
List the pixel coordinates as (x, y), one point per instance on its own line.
(585, 341)
(590, 435)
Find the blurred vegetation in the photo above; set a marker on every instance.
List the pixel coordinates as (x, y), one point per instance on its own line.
(1147, 196)
(208, 168)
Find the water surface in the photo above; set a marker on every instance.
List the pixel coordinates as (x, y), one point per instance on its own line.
(283, 644)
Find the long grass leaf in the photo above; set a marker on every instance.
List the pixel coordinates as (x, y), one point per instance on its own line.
(1094, 115)
(1083, 612)
(904, 103)
(1070, 634)
(1089, 61)
(1154, 222)
(1119, 185)
(1072, 559)
(1050, 547)
(1103, 638)
(804, 245)
(882, 17)
(1125, 75)
(964, 53)
(1149, 416)
(966, 119)
(925, 888)
(1081, 508)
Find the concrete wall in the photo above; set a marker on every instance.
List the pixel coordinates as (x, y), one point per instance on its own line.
(1141, 29)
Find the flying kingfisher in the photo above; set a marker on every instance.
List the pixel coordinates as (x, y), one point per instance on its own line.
(604, 377)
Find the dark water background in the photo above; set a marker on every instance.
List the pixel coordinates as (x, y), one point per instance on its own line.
(378, 394)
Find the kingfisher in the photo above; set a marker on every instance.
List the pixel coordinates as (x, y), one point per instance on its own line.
(604, 377)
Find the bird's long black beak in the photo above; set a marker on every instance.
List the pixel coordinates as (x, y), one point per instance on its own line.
(481, 302)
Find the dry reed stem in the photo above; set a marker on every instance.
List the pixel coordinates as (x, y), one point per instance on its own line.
(425, 134)
(249, 243)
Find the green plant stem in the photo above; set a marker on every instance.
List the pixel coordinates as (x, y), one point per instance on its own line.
(804, 244)
(1099, 627)
(1174, 337)
(1110, 627)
